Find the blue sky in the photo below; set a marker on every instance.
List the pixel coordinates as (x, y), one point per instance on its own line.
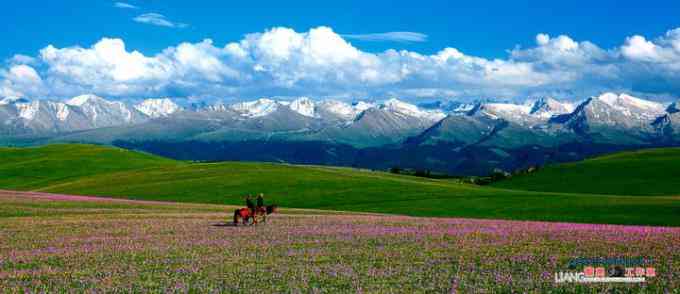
(477, 29)
(485, 28)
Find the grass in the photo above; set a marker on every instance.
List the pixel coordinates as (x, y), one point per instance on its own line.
(105, 171)
(645, 172)
(29, 168)
(22, 204)
(114, 246)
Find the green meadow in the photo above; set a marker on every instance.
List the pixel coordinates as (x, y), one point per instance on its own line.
(643, 172)
(113, 172)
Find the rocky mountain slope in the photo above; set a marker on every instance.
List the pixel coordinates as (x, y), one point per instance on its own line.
(391, 132)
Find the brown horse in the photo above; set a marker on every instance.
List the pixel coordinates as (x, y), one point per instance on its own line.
(248, 216)
(244, 214)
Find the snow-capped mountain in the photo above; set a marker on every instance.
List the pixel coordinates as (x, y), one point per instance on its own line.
(668, 125)
(204, 107)
(327, 109)
(362, 105)
(632, 107)
(28, 110)
(548, 107)
(449, 106)
(337, 110)
(41, 117)
(304, 106)
(449, 136)
(402, 108)
(509, 112)
(390, 122)
(613, 111)
(257, 108)
(528, 114)
(104, 113)
(157, 107)
(610, 118)
(614, 119)
(23, 117)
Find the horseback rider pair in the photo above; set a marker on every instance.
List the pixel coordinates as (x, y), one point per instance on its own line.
(254, 213)
(260, 203)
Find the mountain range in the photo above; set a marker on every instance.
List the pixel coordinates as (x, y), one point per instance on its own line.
(452, 137)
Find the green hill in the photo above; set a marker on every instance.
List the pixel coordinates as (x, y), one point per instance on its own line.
(105, 171)
(642, 172)
(38, 167)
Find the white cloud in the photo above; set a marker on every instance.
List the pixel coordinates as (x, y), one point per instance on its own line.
(638, 48)
(542, 39)
(124, 5)
(158, 19)
(20, 81)
(658, 58)
(389, 36)
(321, 63)
(22, 59)
(200, 61)
(106, 67)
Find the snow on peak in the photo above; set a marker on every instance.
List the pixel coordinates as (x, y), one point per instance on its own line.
(13, 100)
(343, 110)
(548, 107)
(466, 107)
(257, 108)
(512, 112)
(60, 110)
(100, 110)
(82, 99)
(28, 111)
(217, 107)
(624, 100)
(157, 107)
(303, 106)
(507, 107)
(632, 106)
(609, 98)
(339, 109)
(400, 107)
(361, 106)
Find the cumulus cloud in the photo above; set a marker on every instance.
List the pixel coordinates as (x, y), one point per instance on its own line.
(321, 63)
(20, 81)
(158, 19)
(124, 5)
(640, 49)
(22, 59)
(389, 36)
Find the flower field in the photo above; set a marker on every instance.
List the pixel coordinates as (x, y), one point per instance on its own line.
(79, 244)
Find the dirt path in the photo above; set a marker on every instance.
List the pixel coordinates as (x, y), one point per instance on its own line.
(64, 197)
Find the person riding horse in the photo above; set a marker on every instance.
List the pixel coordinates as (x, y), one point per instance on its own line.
(253, 211)
(258, 209)
(260, 201)
(250, 204)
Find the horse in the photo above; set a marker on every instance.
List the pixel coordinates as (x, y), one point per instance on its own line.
(247, 215)
(244, 214)
(263, 211)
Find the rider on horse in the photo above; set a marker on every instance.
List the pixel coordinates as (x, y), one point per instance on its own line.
(260, 201)
(250, 204)
(253, 211)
